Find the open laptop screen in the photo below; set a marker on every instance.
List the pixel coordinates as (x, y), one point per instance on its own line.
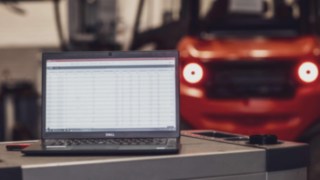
(110, 94)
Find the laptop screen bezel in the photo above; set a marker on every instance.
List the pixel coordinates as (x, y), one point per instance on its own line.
(109, 54)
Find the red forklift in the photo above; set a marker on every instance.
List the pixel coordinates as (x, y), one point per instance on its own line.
(248, 67)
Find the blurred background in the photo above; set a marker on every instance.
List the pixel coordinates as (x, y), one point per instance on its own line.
(31, 27)
(247, 66)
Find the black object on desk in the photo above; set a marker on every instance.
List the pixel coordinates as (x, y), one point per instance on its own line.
(17, 147)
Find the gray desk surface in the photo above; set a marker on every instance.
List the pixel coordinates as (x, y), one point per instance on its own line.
(197, 159)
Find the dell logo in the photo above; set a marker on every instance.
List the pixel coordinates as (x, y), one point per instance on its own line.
(109, 134)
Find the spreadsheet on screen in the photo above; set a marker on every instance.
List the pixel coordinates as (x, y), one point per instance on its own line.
(110, 94)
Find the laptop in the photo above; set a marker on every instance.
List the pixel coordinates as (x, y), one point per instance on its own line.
(124, 102)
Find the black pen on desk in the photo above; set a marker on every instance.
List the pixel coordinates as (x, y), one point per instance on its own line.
(16, 147)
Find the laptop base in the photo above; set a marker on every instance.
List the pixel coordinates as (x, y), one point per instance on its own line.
(37, 149)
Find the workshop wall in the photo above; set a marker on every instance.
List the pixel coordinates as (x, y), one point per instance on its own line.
(29, 27)
(35, 25)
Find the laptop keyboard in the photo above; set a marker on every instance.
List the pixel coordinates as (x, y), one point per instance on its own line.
(115, 141)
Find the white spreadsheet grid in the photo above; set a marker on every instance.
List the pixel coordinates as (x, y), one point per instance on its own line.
(111, 98)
